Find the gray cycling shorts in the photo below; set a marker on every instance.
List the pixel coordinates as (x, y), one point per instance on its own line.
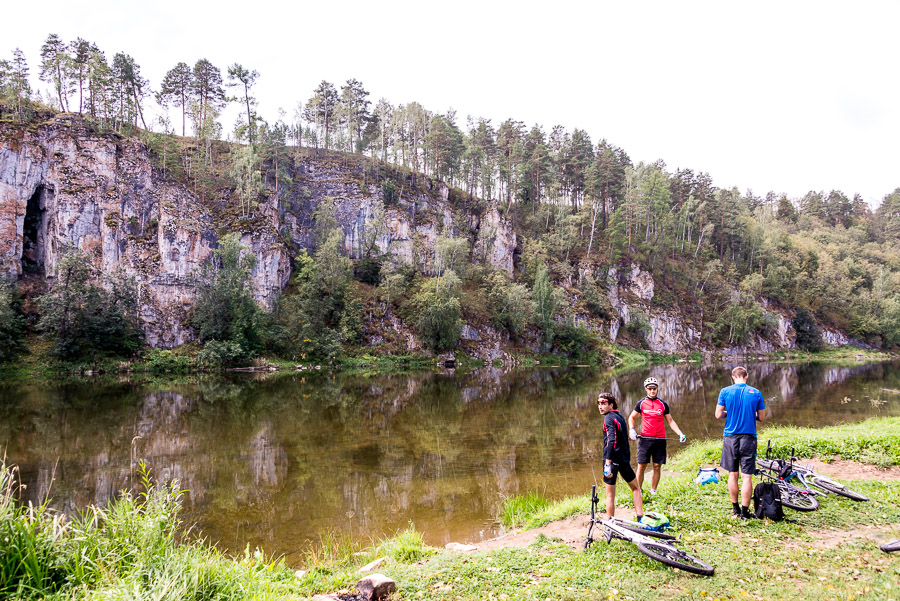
(739, 450)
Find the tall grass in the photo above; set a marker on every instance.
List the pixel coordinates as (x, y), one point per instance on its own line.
(406, 547)
(127, 550)
(518, 509)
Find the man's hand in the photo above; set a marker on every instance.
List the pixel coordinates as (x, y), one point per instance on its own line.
(607, 470)
(682, 438)
(632, 434)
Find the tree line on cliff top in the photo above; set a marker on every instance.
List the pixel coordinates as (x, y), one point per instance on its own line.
(580, 207)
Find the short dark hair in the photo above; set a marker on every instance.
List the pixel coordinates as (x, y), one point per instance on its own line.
(739, 372)
(609, 397)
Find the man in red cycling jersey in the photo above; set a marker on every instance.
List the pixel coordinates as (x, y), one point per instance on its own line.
(654, 414)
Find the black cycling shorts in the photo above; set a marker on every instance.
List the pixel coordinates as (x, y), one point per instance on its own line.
(619, 469)
(739, 450)
(648, 449)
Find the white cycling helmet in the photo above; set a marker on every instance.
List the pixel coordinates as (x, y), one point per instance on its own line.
(651, 380)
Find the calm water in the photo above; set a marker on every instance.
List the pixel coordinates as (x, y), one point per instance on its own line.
(276, 461)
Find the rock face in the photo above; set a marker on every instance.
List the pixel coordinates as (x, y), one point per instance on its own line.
(63, 184)
(631, 294)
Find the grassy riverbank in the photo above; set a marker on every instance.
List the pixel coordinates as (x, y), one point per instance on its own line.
(38, 362)
(132, 548)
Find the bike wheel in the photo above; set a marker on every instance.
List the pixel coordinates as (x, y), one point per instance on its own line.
(891, 546)
(587, 542)
(838, 489)
(676, 558)
(796, 500)
(647, 532)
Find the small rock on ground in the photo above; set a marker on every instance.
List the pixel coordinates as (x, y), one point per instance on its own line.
(376, 586)
(460, 548)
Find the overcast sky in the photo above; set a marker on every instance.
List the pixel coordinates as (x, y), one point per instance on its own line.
(780, 96)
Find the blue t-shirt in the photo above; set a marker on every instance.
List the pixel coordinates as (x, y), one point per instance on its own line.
(741, 403)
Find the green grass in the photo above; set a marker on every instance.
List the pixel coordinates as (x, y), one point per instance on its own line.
(657, 359)
(841, 355)
(406, 547)
(517, 509)
(875, 441)
(628, 359)
(134, 548)
(127, 550)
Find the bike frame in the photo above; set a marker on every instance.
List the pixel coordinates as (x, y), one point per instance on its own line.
(614, 527)
(797, 472)
(807, 470)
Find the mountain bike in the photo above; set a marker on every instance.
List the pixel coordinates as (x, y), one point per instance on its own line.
(780, 471)
(788, 472)
(808, 477)
(655, 545)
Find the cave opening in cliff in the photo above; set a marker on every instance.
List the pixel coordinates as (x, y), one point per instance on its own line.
(33, 231)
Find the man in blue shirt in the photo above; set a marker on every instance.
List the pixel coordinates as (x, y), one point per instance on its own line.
(741, 406)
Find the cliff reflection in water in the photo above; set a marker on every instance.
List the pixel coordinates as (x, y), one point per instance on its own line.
(276, 461)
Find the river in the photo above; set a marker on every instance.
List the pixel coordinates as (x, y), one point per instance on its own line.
(277, 460)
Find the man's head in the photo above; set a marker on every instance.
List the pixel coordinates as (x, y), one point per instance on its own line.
(606, 402)
(739, 374)
(651, 385)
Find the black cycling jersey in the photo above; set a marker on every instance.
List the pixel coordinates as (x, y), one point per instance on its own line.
(615, 438)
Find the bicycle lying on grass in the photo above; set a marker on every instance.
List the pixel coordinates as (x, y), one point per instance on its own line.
(653, 544)
(809, 483)
(780, 471)
(807, 476)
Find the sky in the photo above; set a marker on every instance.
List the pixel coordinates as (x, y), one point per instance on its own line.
(765, 96)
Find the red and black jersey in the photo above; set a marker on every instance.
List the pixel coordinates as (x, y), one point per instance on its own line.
(615, 438)
(653, 420)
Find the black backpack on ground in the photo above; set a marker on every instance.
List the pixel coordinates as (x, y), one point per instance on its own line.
(767, 502)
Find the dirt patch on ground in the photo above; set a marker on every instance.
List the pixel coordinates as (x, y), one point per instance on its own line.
(828, 539)
(572, 530)
(853, 470)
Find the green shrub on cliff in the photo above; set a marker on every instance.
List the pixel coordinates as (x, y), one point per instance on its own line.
(226, 311)
(809, 335)
(82, 318)
(437, 312)
(510, 304)
(12, 324)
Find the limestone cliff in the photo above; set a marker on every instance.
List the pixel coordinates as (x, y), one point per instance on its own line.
(62, 183)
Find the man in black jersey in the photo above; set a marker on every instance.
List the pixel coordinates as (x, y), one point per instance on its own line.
(617, 455)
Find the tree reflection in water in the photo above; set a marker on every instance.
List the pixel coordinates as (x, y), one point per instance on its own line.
(275, 461)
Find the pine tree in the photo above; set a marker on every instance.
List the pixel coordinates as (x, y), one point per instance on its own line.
(178, 86)
(78, 65)
(99, 78)
(354, 111)
(321, 108)
(54, 68)
(242, 78)
(207, 89)
(18, 89)
(130, 88)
